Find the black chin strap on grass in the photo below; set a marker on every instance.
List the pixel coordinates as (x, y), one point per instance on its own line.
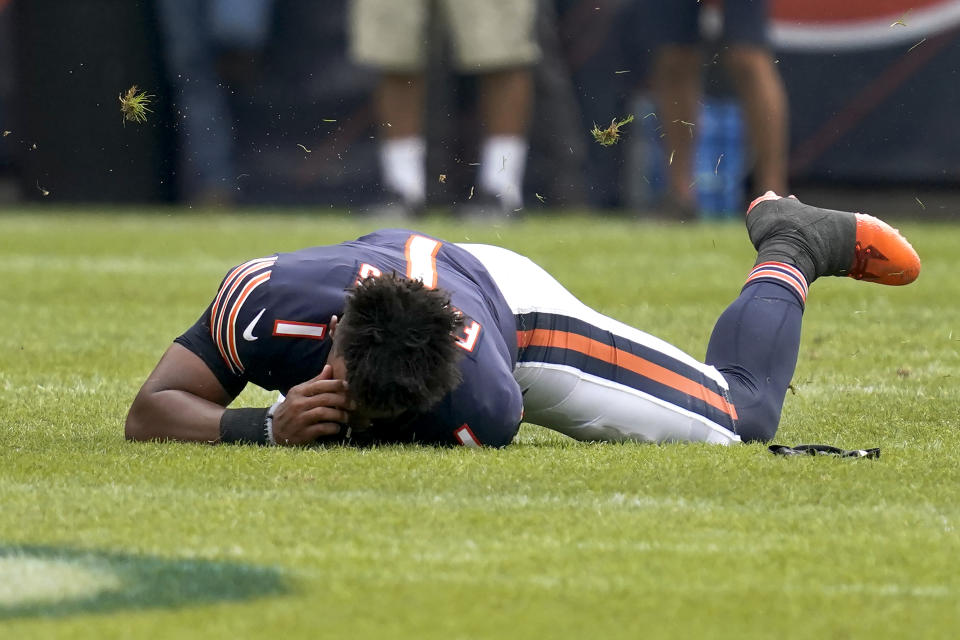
(823, 450)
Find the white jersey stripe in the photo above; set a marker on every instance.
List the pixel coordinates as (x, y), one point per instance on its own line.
(233, 286)
(229, 286)
(235, 311)
(229, 279)
(218, 312)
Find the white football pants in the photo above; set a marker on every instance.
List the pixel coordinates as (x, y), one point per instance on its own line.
(620, 384)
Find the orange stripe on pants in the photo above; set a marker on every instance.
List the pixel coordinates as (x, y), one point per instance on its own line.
(626, 360)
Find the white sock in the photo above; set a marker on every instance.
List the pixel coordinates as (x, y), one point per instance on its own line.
(502, 163)
(403, 163)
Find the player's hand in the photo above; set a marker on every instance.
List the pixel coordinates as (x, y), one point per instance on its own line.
(313, 409)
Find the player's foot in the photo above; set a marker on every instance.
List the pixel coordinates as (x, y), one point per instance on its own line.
(824, 242)
(391, 207)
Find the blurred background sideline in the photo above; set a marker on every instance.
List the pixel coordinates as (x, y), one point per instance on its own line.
(871, 91)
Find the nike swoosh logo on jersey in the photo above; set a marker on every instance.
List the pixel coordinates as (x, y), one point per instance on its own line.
(248, 332)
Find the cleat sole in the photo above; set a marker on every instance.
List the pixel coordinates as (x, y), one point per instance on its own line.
(882, 255)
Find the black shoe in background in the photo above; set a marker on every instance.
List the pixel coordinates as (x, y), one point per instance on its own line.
(391, 207)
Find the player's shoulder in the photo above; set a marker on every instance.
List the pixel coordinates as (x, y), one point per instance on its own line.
(488, 399)
(239, 284)
(393, 235)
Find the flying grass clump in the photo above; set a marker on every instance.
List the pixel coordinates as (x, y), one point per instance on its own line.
(610, 135)
(135, 105)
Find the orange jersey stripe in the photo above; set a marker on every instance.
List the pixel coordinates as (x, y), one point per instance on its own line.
(618, 357)
(230, 284)
(235, 311)
(235, 274)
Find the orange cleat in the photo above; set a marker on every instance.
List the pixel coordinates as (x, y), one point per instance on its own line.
(824, 242)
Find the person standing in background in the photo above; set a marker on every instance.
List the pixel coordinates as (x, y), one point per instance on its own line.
(677, 81)
(492, 39)
(211, 47)
(8, 187)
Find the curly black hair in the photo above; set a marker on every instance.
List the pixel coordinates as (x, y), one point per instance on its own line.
(397, 340)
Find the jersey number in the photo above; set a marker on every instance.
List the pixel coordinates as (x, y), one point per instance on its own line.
(421, 254)
(469, 334)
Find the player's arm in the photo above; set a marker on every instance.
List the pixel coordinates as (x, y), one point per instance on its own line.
(183, 400)
(180, 400)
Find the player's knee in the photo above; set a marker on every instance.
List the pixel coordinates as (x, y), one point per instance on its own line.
(758, 422)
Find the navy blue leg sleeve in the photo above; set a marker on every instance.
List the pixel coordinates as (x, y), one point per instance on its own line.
(754, 345)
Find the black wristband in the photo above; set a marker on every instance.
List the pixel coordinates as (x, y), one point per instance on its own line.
(244, 426)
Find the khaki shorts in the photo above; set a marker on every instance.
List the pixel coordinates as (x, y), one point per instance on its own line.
(486, 34)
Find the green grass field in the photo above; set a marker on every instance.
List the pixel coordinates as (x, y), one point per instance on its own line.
(101, 538)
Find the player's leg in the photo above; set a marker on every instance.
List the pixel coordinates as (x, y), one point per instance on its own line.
(506, 97)
(748, 58)
(495, 40)
(389, 36)
(399, 99)
(756, 340)
(205, 157)
(677, 84)
(594, 378)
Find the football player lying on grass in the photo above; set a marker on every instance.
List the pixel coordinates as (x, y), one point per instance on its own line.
(471, 339)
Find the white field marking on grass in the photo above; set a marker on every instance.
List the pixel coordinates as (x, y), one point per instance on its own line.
(467, 553)
(386, 549)
(464, 553)
(887, 590)
(75, 387)
(614, 582)
(389, 546)
(58, 389)
(374, 496)
(132, 265)
(590, 501)
(829, 390)
(25, 580)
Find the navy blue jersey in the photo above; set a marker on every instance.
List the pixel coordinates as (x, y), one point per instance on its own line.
(268, 325)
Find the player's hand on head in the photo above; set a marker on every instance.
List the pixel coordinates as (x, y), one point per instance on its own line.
(313, 409)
